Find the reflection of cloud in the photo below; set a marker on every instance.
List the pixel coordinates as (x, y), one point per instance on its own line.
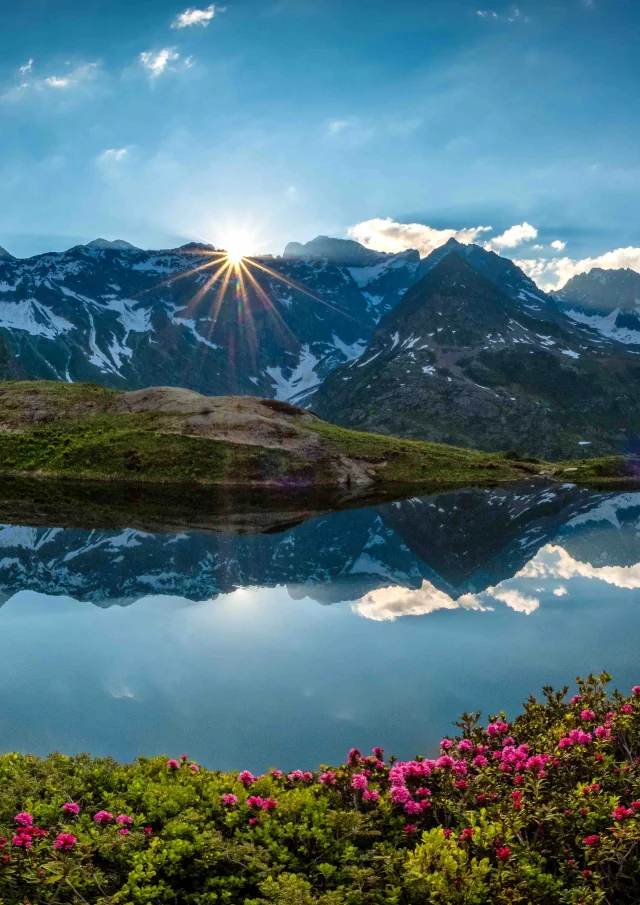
(120, 691)
(555, 562)
(387, 604)
(514, 599)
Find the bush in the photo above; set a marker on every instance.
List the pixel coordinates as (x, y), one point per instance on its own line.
(543, 810)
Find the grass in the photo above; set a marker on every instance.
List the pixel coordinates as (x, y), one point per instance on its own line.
(75, 431)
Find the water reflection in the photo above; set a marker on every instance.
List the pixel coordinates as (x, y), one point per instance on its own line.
(126, 642)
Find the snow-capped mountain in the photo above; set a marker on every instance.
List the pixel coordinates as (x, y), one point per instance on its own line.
(608, 301)
(111, 313)
(460, 542)
(474, 356)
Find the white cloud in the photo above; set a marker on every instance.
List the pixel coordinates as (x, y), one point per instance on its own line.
(157, 62)
(337, 125)
(512, 237)
(553, 274)
(113, 155)
(560, 592)
(385, 234)
(194, 16)
(515, 15)
(85, 72)
(557, 244)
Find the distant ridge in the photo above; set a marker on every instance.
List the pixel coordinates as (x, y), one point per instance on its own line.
(117, 244)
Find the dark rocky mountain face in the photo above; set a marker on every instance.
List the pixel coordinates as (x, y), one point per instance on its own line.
(461, 361)
(608, 301)
(459, 542)
(110, 313)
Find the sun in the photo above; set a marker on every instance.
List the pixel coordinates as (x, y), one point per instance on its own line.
(237, 246)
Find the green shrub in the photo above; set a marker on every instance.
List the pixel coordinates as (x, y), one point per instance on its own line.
(543, 810)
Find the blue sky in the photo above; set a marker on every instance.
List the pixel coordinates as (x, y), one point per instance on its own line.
(160, 122)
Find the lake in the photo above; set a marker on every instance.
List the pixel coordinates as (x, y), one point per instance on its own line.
(371, 626)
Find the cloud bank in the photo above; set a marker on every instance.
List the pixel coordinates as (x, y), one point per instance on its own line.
(550, 273)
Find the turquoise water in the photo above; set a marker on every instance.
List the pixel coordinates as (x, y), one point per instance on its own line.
(365, 627)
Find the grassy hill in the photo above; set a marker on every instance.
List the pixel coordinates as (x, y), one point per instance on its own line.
(172, 435)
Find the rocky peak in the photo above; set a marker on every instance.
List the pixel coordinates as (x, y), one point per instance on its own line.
(347, 252)
(5, 256)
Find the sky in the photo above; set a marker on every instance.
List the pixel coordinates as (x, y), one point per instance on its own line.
(396, 122)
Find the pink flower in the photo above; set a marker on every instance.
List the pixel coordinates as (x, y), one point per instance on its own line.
(565, 742)
(592, 840)
(636, 689)
(147, 830)
(276, 774)
(423, 792)
(575, 699)
(504, 853)
(184, 757)
(461, 784)
(173, 765)
(229, 799)
(400, 794)
(409, 829)
(71, 807)
(371, 795)
(412, 807)
(22, 840)
(300, 776)
(446, 743)
(446, 833)
(124, 819)
(626, 708)
(492, 729)
(354, 757)
(468, 833)
(602, 732)
(254, 801)
(253, 821)
(479, 761)
(328, 778)
(246, 778)
(380, 751)
(445, 762)
(621, 812)
(194, 768)
(65, 841)
(103, 817)
(269, 804)
(123, 832)
(587, 715)
(24, 819)
(359, 781)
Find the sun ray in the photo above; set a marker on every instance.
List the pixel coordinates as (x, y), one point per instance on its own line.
(295, 285)
(270, 307)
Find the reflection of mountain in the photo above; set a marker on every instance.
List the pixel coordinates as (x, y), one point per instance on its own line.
(460, 542)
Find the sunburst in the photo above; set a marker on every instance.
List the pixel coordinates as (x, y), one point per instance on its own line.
(236, 267)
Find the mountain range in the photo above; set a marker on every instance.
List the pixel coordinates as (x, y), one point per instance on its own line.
(460, 346)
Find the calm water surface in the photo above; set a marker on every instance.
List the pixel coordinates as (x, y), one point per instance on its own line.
(364, 627)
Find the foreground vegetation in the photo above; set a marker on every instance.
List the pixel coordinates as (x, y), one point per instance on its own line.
(543, 810)
(88, 432)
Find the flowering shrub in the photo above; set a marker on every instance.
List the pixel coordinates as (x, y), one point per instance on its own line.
(544, 810)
